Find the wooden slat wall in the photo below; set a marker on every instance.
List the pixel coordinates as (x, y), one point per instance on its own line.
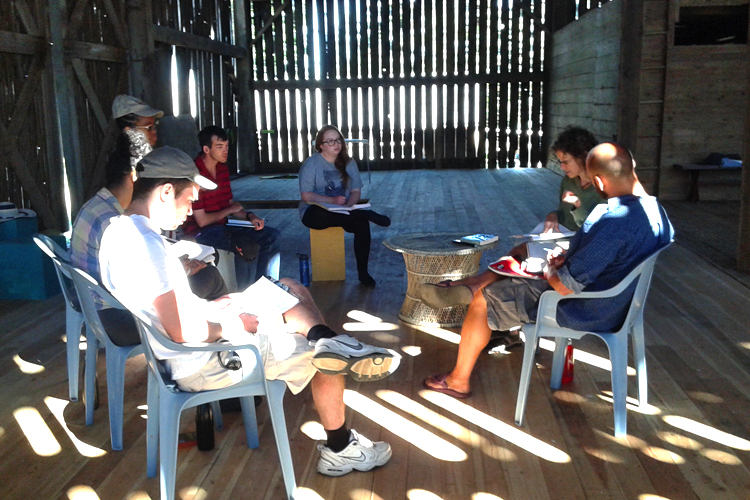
(212, 73)
(430, 83)
(566, 11)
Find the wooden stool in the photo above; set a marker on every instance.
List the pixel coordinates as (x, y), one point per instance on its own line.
(327, 256)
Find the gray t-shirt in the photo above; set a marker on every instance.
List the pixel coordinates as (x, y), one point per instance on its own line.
(318, 175)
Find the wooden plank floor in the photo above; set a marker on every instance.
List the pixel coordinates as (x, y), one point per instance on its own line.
(692, 442)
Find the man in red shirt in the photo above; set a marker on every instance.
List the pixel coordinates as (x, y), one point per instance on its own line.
(208, 224)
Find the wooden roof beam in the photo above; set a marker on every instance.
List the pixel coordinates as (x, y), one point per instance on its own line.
(196, 42)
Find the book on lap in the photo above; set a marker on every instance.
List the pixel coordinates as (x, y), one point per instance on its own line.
(342, 209)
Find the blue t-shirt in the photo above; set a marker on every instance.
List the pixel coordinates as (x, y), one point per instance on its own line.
(318, 175)
(616, 237)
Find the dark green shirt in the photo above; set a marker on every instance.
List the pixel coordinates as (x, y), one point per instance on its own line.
(567, 214)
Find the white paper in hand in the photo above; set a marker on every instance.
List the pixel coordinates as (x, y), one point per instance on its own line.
(193, 251)
(265, 298)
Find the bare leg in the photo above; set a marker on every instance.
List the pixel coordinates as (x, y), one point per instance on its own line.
(328, 395)
(305, 314)
(483, 279)
(475, 333)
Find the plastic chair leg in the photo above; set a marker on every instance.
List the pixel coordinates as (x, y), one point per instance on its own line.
(152, 426)
(275, 392)
(216, 410)
(618, 354)
(92, 353)
(558, 362)
(251, 422)
(639, 356)
(169, 425)
(116, 358)
(529, 350)
(73, 324)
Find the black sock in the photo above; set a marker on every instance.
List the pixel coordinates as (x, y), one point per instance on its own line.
(338, 439)
(320, 332)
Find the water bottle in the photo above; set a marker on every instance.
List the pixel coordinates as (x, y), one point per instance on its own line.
(569, 366)
(304, 269)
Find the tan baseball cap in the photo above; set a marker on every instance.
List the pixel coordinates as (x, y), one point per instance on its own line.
(171, 163)
(126, 104)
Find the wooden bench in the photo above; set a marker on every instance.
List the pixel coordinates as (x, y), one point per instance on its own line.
(695, 171)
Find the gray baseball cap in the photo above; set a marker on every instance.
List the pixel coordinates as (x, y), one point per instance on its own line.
(126, 104)
(171, 163)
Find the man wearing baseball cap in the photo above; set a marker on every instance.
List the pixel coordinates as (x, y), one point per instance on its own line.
(132, 113)
(140, 273)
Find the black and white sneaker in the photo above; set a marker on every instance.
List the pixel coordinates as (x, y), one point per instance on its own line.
(343, 354)
(361, 454)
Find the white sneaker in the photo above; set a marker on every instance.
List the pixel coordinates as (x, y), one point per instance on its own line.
(347, 355)
(361, 454)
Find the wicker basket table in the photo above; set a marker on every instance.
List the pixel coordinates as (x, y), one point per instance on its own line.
(430, 258)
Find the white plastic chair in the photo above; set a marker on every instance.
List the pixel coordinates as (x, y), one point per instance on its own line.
(617, 342)
(73, 312)
(166, 402)
(116, 355)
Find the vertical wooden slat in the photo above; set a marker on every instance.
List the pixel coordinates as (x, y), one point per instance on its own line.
(299, 39)
(537, 155)
(463, 124)
(278, 41)
(419, 126)
(374, 43)
(462, 37)
(287, 19)
(363, 57)
(341, 61)
(451, 118)
(450, 38)
(523, 51)
(377, 131)
(430, 67)
(310, 41)
(430, 143)
(354, 55)
(263, 126)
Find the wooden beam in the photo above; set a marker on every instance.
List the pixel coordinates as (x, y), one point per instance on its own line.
(247, 150)
(76, 18)
(27, 19)
(116, 25)
(268, 24)
(65, 105)
(138, 26)
(196, 42)
(743, 247)
(630, 73)
(18, 43)
(95, 52)
(88, 89)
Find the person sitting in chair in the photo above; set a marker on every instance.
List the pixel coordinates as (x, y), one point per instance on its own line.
(208, 223)
(140, 273)
(615, 238)
(330, 177)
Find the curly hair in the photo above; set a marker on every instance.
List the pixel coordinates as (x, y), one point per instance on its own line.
(575, 141)
(342, 158)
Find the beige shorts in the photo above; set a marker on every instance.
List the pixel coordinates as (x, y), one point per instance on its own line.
(286, 356)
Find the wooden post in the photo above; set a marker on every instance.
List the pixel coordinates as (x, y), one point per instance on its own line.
(65, 105)
(141, 46)
(247, 141)
(630, 72)
(743, 248)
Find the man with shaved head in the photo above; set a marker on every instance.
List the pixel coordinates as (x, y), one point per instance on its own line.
(615, 238)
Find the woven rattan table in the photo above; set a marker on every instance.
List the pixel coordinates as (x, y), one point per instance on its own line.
(430, 258)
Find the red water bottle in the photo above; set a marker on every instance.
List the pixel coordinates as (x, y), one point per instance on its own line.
(569, 366)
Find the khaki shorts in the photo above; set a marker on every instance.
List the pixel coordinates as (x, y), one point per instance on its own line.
(512, 302)
(286, 356)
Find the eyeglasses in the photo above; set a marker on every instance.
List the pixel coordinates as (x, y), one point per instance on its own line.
(148, 128)
(332, 142)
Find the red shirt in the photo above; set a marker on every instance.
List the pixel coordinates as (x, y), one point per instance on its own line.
(210, 201)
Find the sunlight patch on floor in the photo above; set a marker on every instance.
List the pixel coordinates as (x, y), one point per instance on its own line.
(358, 493)
(708, 432)
(446, 425)
(604, 455)
(585, 357)
(57, 407)
(721, 457)
(484, 496)
(412, 350)
(82, 492)
(419, 494)
(662, 455)
(440, 333)
(35, 429)
(679, 440)
(649, 496)
(138, 495)
(631, 404)
(193, 493)
(497, 427)
(306, 494)
(408, 431)
(705, 397)
(27, 367)
(314, 430)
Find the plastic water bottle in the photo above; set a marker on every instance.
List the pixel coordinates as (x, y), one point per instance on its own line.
(569, 366)
(304, 269)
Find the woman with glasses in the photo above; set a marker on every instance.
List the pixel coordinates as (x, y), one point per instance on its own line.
(331, 177)
(578, 197)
